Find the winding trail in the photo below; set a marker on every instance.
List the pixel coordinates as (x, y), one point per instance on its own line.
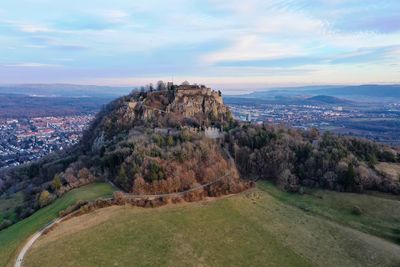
(32, 239)
(20, 258)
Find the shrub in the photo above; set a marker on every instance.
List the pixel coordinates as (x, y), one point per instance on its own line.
(288, 182)
(44, 198)
(6, 223)
(356, 210)
(56, 184)
(170, 140)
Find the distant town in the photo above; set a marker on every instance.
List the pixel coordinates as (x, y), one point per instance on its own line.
(377, 122)
(24, 140)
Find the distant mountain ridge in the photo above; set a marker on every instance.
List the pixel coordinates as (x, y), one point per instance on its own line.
(66, 90)
(288, 99)
(360, 92)
(328, 99)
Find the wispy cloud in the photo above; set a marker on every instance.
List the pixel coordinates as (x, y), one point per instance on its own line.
(115, 16)
(256, 41)
(31, 65)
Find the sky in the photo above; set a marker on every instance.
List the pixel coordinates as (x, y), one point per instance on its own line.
(233, 45)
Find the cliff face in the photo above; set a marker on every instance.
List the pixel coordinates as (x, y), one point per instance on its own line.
(188, 106)
(204, 104)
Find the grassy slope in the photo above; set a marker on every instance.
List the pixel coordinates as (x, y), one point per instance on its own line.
(251, 229)
(380, 214)
(13, 237)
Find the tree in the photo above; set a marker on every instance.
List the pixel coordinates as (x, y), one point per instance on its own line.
(348, 177)
(288, 182)
(161, 86)
(314, 133)
(119, 197)
(44, 198)
(156, 172)
(139, 186)
(388, 156)
(185, 83)
(83, 173)
(122, 178)
(170, 140)
(57, 182)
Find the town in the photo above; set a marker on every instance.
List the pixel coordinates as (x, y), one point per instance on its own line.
(377, 122)
(28, 139)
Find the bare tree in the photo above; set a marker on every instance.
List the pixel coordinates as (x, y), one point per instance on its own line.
(161, 86)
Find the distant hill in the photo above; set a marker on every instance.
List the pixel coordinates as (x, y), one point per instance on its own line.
(287, 99)
(328, 100)
(25, 106)
(380, 91)
(66, 90)
(361, 92)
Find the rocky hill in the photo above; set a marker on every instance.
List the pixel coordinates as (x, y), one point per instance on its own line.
(176, 108)
(177, 140)
(159, 142)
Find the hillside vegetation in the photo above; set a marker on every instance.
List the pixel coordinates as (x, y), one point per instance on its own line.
(178, 138)
(249, 229)
(13, 237)
(295, 159)
(145, 142)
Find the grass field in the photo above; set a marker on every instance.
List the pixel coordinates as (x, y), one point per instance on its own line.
(255, 228)
(380, 213)
(13, 237)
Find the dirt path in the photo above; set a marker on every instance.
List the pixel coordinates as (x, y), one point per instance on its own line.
(31, 240)
(377, 242)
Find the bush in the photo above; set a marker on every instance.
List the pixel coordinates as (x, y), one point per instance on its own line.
(288, 182)
(44, 198)
(57, 182)
(6, 223)
(356, 210)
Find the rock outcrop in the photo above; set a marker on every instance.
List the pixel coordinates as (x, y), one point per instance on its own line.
(180, 106)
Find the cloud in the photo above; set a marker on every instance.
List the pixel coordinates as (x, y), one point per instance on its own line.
(53, 43)
(275, 62)
(281, 40)
(375, 55)
(68, 47)
(25, 27)
(32, 28)
(31, 65)
(115, 16)
(251, 47)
